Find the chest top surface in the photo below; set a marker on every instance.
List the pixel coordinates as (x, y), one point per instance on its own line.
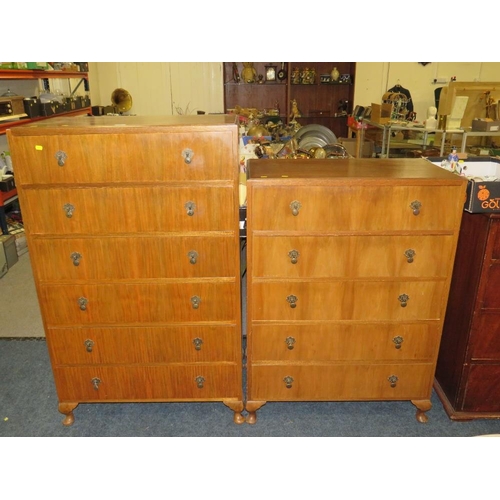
(123, 124)
(354, 170)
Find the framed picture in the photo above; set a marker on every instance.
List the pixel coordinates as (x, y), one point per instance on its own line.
(270, 73)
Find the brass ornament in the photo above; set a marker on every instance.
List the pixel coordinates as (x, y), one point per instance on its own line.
(122, 99)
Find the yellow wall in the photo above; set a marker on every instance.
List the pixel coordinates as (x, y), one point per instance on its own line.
(169, 88)
(165, 88)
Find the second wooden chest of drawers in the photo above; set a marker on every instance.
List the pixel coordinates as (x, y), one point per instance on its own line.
(349, 268)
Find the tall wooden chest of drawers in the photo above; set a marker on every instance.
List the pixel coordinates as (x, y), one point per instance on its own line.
(349, 266)
(468, 367)
(132, 228)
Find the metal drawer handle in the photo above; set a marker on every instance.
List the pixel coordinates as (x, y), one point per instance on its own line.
(195, 301)
(290, 341)
(292, 300)
(76, 257)
(398, 341)
(416, 206)
(95, 382)
(295, 206)
(393, 380)
(61, 158)
(294, 256)
(403, 298)
(288, 381)
(200, 381)
(82, 302)
(89, 344)
(69, 209)
(190, 206)
(409, 254)
(187, 154)
(197, 343)
(193, 256)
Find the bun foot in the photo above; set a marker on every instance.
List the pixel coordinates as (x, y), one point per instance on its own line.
(237, 407)
(67, 409)
(252, 407)
(422, 406)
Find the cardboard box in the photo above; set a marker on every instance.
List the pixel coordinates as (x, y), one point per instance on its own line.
(479, 125)
(482, 195)
(7, 184)
(37, 65)
(3, 264)
(381, 113)
(13, 65)
(21, 244)
(8, 244)
(350, 144)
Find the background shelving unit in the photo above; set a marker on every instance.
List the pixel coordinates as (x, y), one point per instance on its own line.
(326, 104)
(45, 77)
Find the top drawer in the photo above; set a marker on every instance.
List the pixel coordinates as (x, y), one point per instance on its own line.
(97, 158)
(355, 208)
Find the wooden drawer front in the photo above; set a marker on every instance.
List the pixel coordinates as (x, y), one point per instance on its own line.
(340, 382)
(138, 303)
(343, 300)
(343, 208)
(148, 383)
(485, 337)
(482, 392)
(141, 157)
(140, 257)
(112, 210)
(352, 256)
(337, 342)
(123, 345)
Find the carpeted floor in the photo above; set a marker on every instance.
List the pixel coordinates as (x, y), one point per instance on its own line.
(20, 314)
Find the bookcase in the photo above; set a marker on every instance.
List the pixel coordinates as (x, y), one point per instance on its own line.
(322, 101)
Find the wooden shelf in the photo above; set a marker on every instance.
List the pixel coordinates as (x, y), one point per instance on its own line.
(37, 74)
(6, 125)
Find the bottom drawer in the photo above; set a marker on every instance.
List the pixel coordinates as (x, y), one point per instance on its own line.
(196, 382)
(340, 382)
(482, 392)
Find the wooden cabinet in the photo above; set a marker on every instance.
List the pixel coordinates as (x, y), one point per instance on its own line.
(468, 368)
(132, 225)
(322, 102)
(349, 268)
(45, 76)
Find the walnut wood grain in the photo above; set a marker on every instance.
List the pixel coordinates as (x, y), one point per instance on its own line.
(139, 280)
(349, 315)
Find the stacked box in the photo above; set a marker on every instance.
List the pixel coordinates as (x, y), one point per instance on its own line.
(8, 244)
